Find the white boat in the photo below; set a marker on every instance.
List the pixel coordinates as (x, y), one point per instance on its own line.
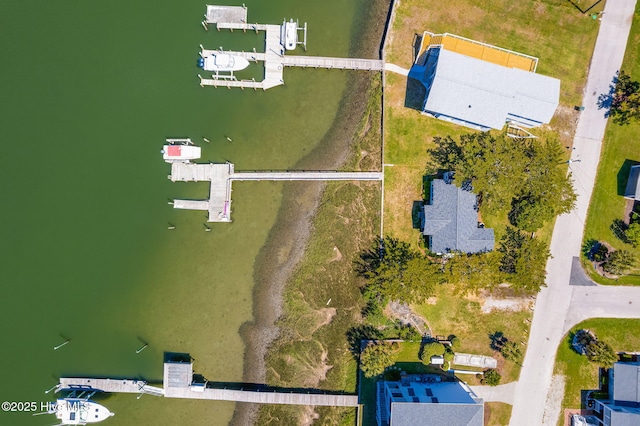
(221, 62)
(289, 34)
(180, 151)
(75, 411)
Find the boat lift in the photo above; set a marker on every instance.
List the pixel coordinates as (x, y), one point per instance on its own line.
(298, 29)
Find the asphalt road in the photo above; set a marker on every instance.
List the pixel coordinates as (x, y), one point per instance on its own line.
(560, 305)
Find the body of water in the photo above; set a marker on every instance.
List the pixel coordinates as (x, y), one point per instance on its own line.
(90, 90)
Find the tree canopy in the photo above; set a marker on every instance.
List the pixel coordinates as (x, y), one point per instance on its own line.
(619, 262)
(376, 357)
(526, 174)
(399, 273)
(625, 102)
(524, 260)
(601, 353)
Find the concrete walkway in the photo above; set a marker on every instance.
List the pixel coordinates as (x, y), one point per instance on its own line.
(500, 393)
(397, 69)
(554, 303)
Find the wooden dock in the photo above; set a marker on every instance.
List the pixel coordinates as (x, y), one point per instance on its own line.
(274, 57)
(230, 14)
(108, 385)
(221, 176)
(178, 383)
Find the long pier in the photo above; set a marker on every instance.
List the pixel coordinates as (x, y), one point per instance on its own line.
(221, 176)
(274, 58)
(178, 383)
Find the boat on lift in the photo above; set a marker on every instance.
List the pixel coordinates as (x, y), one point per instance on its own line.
(77, 411)
(289, 34)
(180, 151)
(220, 61)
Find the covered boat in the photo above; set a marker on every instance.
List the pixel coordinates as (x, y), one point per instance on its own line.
(180, 150)
(221, 61)
(289, 35)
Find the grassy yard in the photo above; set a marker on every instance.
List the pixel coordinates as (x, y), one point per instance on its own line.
(622, 334)
(451, 314)
(569, 37)
(621, 146)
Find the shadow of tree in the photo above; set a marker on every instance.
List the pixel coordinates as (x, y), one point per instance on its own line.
(605, 100)
(355, 336)
(416, 215)
(618, 227)
(589, 248)
(498, 340)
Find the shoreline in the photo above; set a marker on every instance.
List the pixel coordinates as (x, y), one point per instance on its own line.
(285, 247)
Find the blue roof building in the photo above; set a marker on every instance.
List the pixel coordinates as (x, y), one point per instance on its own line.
(450, 221)
(418, 400)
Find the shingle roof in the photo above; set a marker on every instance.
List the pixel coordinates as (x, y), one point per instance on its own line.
(484, 94)
(452, 221)
(633, 184)
(626, 383)
(413, 414)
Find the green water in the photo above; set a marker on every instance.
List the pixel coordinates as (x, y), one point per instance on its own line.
(89, 90)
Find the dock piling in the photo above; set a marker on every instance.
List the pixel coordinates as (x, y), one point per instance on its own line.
(171, 227)
(55, 348)
(142, 348)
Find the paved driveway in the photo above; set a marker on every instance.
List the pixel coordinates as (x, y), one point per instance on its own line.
(559, 304)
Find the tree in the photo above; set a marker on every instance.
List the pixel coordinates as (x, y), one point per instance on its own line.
(493, 165)
(491, 377)
(601, 353)
(619, 262)
(448, 355)
(376, 357)
(473, 272)
(625, 103)
(524, 261)
(455, 341)
(502, 169)
(399, 273)
(511, 352)
(633, 234)
(547, 191)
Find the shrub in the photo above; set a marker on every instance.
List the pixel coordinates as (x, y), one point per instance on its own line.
(491, 377)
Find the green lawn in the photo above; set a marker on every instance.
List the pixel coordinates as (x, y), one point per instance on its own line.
(452, 314)
(622, 334)
(569, 37)
(621, 146)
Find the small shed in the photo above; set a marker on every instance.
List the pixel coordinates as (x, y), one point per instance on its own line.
(437, 360)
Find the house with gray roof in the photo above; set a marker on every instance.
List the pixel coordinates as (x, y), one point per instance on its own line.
(633, 184)
(418, 400)
(481, 94)
(622, 408)
(450, 220)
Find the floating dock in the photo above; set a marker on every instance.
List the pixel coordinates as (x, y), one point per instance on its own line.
(232, 18)
(221, 177)
(178, 383)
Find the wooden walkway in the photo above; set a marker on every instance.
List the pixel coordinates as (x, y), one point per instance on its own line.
(221, 176)
(177, 383)
(262, 397)
(274, 57)
(109, 385)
